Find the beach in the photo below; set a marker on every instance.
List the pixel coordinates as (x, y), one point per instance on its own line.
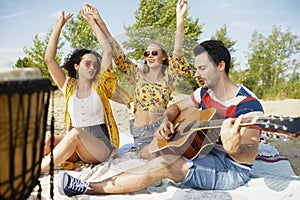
(288, 147)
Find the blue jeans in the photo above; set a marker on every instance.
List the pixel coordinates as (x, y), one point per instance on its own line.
(215, 171)
(142, 135)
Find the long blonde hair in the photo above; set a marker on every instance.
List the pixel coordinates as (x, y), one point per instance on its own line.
(165, 63)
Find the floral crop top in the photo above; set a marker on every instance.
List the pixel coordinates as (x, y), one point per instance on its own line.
(151, 96)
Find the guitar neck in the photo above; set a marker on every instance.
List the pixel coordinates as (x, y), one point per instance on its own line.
(281, 125)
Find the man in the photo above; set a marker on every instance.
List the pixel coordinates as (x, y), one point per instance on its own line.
(219, 169)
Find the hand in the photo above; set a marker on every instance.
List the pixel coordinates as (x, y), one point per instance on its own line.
(63, 19)
(231, 134)
(181, 8)
(165, 129)
(89, 9)
(87, 15)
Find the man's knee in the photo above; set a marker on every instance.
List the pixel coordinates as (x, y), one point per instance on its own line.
(170, 162)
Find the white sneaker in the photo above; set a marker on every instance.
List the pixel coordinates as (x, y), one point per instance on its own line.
(70, 186)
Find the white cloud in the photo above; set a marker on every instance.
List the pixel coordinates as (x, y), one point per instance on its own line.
(16, 14)
(55, 15)
(9, 56)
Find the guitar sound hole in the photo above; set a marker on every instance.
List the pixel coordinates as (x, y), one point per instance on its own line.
(189, 126)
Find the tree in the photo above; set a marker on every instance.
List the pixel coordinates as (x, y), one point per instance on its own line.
(221, 35)
(156, 20)
(35, 56)
(271, 62)
(293, 85)
(79, 34)
(25, 62)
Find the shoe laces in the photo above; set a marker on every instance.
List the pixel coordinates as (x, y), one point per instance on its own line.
(77, 185)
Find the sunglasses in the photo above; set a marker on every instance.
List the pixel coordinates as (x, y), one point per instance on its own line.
(89, 63)
(147, 53)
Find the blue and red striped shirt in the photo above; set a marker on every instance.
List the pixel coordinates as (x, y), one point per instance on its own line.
(245, 102)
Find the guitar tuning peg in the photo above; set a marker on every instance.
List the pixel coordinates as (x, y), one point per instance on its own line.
(273, 116)
(284, 138)
(291, 119)
(272, 135)
(284, 128)
(281, 117)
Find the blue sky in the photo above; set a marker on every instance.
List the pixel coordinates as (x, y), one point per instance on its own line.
(20, 21)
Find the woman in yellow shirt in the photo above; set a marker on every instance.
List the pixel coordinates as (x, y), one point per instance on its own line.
(92, 131)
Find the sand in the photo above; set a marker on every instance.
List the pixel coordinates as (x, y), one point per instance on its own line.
(289, 148)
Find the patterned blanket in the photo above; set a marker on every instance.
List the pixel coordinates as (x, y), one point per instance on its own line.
(271, 178)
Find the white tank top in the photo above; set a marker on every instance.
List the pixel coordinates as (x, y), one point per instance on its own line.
(85, 112)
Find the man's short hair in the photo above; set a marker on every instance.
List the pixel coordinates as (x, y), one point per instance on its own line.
(216, 50)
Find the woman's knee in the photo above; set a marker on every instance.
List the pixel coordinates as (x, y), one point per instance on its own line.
(48, 141)
(74, 135)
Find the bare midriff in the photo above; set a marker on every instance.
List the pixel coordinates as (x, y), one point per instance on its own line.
(145, 117)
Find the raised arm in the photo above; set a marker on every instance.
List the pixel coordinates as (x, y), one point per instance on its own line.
(127, 67)
(55, 70)
(90, 14)
(179, 35)
(116, 48)
(99, 21)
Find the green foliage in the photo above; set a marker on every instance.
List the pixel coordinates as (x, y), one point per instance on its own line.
(24, 63)
(156, 21)
(292, 86)
(35, 56)
(221, 35)
(79, 34)
(272, 63)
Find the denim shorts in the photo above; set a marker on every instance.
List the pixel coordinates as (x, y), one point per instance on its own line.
(215, 171)
(143, 135)
(100, 131)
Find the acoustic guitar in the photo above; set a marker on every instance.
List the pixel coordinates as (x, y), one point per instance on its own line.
(196, 131)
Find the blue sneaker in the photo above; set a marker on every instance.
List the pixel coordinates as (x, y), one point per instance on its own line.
(70, 186)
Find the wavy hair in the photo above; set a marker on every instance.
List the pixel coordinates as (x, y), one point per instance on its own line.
(75, 57)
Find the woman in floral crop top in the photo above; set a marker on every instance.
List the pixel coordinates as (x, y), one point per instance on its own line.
(154, 83)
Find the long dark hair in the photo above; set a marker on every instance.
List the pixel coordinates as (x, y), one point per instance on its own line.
(75, 57)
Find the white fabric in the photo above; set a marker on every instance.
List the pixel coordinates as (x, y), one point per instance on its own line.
(268, 181)
(266, 150)
(87, 111)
